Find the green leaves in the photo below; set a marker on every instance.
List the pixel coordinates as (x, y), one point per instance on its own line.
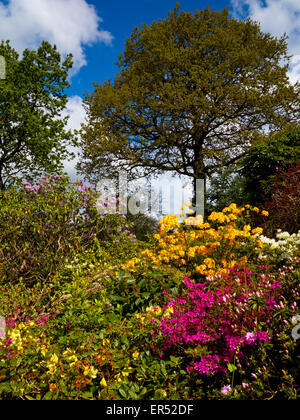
(193, 92)
(45, 224)
(232, 368)
(33, 137)
(266, 157)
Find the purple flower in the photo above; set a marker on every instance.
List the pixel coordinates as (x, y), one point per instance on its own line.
(226, 389)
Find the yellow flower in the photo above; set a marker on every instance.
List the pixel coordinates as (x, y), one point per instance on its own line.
(265, 213)
(118, 377)
(135, 355)
(168, 312)
(44, 350)
(201, 269)
(154, 310)
(192, 251)
(54, 359)
(209, 262)
(256, 209)
(202, 250)
(247, 228)
(131, 263)
(127, 371)
(103, 382)
(105, 341)
(70, 355)
(260, 244)
(232, 217)
(257, 230)
(91, 372)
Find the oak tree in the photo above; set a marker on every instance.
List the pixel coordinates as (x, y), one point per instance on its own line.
(193, 93)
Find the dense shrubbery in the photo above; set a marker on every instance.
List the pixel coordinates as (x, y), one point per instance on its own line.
(267, 176)
(43, 225)
(283, 203)
(203, 310)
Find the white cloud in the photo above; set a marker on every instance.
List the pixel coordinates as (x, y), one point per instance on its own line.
(75, 111)
(77, 115)
(70, 24)
(277, 17)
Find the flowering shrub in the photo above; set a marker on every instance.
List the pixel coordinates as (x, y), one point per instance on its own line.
(84, 357)
(216, 322)
(197, 314)
(205, 248)
(281, 248)
(43, 224)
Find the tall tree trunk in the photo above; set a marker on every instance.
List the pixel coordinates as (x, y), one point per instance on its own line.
(199, 189)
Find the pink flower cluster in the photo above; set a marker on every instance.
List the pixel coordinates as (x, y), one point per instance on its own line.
(217, 323)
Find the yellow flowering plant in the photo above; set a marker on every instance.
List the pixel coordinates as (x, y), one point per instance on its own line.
(205, 248)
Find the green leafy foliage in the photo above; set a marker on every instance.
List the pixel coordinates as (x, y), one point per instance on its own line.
(45, 224)
(193, 93)
(33, 138)
(270, 155)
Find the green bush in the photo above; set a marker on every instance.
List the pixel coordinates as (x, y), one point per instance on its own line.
(43, 225)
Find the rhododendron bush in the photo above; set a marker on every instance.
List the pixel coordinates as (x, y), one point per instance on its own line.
(44, 224)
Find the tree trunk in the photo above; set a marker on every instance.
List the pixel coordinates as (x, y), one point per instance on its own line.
(199, 181)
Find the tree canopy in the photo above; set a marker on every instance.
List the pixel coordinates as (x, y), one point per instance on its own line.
(33, 137)
(192, 94)
(271, 155)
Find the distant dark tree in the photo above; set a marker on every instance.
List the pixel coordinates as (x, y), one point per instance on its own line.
(266, 159)
(284, 202)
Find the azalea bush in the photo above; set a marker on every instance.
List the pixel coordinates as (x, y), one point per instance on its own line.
(204, 248)
(223, 327)
(281, 248)
(226, 338)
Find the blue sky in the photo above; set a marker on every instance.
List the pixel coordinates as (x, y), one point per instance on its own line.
(119, 18)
